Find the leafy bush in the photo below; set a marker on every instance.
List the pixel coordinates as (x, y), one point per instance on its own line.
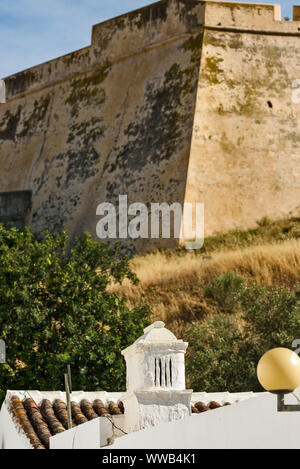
(224, 349)
(217, 358)
(225, 290)
(272, 317)
(55, 309)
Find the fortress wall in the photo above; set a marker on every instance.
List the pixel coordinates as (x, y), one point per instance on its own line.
(249, 16)
(168, 104)
(114, 40)
(113, 118)
(244, 161)
(164, 21)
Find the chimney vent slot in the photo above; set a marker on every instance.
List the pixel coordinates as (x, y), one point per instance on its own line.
(163, 372)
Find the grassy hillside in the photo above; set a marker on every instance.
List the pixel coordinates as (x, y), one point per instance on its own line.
(173, 283)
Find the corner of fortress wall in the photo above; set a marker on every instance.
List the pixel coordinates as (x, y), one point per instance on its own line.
(167, 104)
(244, 160)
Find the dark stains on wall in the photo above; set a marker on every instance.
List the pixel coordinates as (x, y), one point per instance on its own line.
(74, 166)
(141, 17)
(159, 11)
(161, 121)
(146, 167)
(64, 172)
(25, 122)
(87, 91)
(213, 73)
(80, 165)
(194, 45)
(149, 17)
(36, 117)
(187, 5)
(86, 132)
(9, 124)
(187, 15)
(152, 13)
(160, 129)
(53, 213)
(153, 137)
(20, 82)
(60, 184)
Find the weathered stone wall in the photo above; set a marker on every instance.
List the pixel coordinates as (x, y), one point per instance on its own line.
(114, 118)
(244, 161)
(168, 104)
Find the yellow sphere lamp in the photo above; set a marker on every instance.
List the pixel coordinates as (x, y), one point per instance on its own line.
(278, 371)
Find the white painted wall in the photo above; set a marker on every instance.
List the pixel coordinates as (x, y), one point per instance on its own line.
(84, 436)
(90, 435)
(253, 423)
(223, 397)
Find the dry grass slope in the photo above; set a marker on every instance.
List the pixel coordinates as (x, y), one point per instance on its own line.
(172, 282)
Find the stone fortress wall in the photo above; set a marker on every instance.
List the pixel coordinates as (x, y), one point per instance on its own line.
(180, 101)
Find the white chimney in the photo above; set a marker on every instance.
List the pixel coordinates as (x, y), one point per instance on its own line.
(155, 379)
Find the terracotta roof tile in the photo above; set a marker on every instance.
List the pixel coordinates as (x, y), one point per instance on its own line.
(60, 410)
(77, 414)
(48, 413)
(195, 410)
(200, 406)
(214, 405)
(20, 416)
(87, 409)
(114, 408)
(100, 408)
(39, 423)
(121, 407)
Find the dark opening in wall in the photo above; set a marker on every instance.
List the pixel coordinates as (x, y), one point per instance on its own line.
(15, 207)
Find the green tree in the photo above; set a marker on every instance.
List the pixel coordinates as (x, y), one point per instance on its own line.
(56, 308)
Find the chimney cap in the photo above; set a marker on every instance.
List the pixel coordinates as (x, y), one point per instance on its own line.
(156, 324)
(156, 335)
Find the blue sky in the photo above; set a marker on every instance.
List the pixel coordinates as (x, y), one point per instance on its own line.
(34, 31)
